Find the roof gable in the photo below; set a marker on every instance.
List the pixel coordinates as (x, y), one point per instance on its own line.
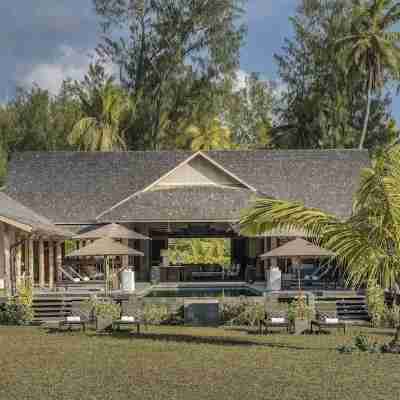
(198, 170)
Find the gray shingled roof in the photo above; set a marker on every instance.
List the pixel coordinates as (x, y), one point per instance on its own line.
(75, 187)
(15, 211)
(184, 203)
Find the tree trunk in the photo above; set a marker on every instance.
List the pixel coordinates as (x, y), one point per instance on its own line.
(367, 112)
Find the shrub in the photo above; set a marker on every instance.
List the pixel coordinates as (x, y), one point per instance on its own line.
(376, 303)
(243, 312)
(156, 314)
(362, 344)
(392, 316)
(18, 310)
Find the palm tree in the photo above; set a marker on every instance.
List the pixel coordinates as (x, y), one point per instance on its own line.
(107, 111)
(206, 133)
(371, 48)
(367, 244)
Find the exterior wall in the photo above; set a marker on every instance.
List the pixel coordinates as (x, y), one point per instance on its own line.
(198, 172)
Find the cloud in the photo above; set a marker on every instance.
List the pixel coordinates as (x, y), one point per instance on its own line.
(71, 63)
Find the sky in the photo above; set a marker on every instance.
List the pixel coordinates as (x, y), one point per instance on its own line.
(46, 41)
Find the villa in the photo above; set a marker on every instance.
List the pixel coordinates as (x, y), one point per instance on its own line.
(165, 195)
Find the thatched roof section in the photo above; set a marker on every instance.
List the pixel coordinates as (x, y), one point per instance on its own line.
(298, 248)
(76, 187)
(105, 247)
(27, 220)
(114, 231)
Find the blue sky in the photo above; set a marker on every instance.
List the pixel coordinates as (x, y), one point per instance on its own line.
(46, 41)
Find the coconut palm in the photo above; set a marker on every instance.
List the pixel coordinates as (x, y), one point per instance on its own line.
(371, 48)
(107, 111)
(366, 244)
(205, 133)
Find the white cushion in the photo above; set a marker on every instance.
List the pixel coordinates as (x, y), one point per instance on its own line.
(73, 319)
(331, 320)
(278, 320)
(128, 319)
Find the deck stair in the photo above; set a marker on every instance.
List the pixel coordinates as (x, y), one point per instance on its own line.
(352, 309)
(54, 307)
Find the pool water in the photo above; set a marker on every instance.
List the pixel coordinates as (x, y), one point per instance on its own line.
(205, 292)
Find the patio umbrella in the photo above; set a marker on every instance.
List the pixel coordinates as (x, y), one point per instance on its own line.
(107, 248)
(297, 250)
(114, 231)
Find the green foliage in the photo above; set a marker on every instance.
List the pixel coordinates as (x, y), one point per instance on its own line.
(376, 303)
(18, 310)
(170, 54)
(100, 308)
(361, 343)
(242, 312)
(201, 251)
(371, 48)
(392, 316)
(156, 314)
(107, 111)
(323, 104)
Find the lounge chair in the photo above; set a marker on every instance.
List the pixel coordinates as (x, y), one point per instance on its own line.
(71, 321)
(126, 321)
(327, 321)
(275, 321)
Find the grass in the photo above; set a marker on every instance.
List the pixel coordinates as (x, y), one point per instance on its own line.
(190, 363)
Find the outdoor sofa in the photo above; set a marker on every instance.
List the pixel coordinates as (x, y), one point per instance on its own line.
(275, 321)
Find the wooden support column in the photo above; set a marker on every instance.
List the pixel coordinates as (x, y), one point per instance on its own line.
(18, 262)
(51, 265)
(274, 245)
(58, 261)
(125, 259)
(2, 255)
(31, 266)
(41, 263)
(7, 257)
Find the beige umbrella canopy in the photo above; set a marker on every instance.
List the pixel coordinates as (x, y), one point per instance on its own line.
(114, 231)
(296, 250)
(105, 247)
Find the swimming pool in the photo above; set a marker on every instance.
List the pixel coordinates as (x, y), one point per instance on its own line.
(205, 292)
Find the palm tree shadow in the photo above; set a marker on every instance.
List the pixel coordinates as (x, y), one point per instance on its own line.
(210, 340)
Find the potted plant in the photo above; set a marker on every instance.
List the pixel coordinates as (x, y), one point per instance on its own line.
(300, 314)
(106, 312)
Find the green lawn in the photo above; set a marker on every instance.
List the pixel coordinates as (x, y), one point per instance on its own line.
(190, 363)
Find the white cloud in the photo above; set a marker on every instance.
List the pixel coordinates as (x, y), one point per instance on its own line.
(70, 63)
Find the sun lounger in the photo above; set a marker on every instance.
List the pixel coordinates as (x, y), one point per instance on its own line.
(71, 321)
(324, 322)
(126, 321)
(275, 321)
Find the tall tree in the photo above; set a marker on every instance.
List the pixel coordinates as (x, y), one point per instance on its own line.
(322, 105)
(162, 45)
(372, 48)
